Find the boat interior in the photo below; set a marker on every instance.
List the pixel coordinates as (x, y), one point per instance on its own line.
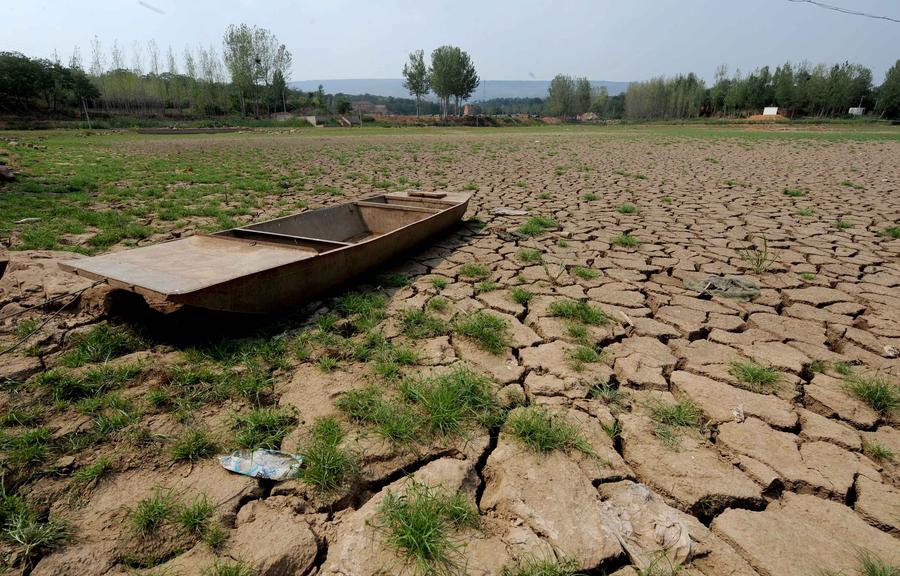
(346, 224)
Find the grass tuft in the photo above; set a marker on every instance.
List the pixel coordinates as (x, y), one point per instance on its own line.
(490, 331)
(418, 324)
(101, 344)
(420, 522)
(193, 445)
(537, 225)
(877, 451)
(475, 271)
(543, 431)
(530, 256)
(758, 378)
(625, 240)
(521, 295)
(584, 272)
(760, 260)
(579, 311)
(626, 208)
(263, 428)
(876, 391)
(326, 465)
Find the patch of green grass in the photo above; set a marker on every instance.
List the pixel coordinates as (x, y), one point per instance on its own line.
(533, 566)
(68, 387)
(90, 475)
(229, 568)
(614, 398)
(25, 328)
(891, 231)
(490, 331)
(625, 240)
(670, 419)
(796, 192)
(417, 324)
(537, 225)
(530, 256)
(263, 428)
(486, 286)
(392, 418)
(470, 186)
(807, 276)
(419, 524)
(757, 377)
(450, 400)
(21, 417)
(365, 309)
(590, 197)
(584, 272)
(194, 518)
(326, 465)
(562, 243)
(520, 183)
(666, 199)
(581, 355)
(475, 271)
(27, 448)
(543, 431)
(843, 224)
(579, 311)
(626, 208)
(439, 283)
(29, 535)
(328, 364)
(193, 445)
(101, 344)
(439, 303)
(854, 185)
(805, 212)
(544, 196)
(877, 451)
(843, 368)
(521, 295)
(875, 390)
(151, 512)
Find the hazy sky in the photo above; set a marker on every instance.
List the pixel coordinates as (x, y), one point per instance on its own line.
(507, 39)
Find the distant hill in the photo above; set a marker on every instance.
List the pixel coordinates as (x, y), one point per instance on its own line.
(487, 90)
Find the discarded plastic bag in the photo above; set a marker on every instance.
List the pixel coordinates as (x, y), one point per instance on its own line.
(262, 463)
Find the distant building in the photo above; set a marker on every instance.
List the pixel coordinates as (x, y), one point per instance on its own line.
(366, 107)
(468, 110)
(857, 111)
(770, 111)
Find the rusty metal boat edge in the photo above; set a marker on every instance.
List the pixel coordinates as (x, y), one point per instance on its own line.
(281, 263)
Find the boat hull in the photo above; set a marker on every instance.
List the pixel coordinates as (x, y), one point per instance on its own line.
(282, 263)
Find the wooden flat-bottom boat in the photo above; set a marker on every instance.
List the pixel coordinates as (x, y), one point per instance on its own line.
(280, 263)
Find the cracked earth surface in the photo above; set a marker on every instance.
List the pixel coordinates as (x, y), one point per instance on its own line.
(771, 480)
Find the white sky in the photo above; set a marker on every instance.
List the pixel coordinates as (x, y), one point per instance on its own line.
(508, 39)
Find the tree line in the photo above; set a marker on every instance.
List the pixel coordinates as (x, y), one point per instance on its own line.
(247, 74)
(797, 90)
(451, 75)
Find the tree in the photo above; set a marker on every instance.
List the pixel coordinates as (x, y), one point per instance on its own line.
(561, 96)
(416, 78)
(343, 105)
(239, 59)
(279, 86)
(582, 96)
(599, 100)
(453, 74)
(889, 94)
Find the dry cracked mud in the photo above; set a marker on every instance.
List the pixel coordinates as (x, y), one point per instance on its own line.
(772, 465)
